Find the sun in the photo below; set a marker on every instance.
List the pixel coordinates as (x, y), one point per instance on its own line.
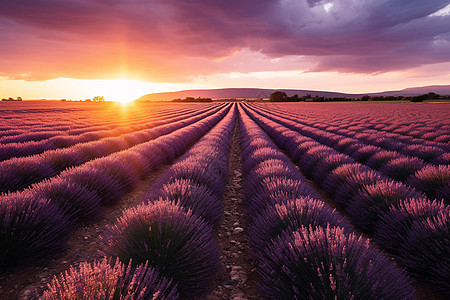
(124, 90)
(118, 90)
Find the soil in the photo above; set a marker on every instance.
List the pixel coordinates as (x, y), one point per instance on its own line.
(237, 279)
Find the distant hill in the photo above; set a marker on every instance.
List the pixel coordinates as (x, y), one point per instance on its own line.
(414, 91)
(252, 93)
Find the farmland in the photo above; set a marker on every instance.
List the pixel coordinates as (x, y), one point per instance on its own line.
(224, 200)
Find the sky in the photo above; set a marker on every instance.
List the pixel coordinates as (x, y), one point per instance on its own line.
(77, 49)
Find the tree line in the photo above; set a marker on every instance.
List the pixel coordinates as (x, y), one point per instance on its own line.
(283, 97)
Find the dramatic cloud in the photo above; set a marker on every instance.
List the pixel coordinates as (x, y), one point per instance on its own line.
(177, 40)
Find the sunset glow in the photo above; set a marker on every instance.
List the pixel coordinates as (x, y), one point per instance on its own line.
(65, 50)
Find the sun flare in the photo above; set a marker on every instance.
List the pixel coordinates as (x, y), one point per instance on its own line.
(118, 90)
(124, 90)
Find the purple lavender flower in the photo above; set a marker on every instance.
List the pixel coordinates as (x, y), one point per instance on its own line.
(291, 216)
(427, 153)
(352, 184)
(339, 175)
(371, 201)
(186, 193)
(106, 280)
(318, 263)
(177, 243)
(364, 153)
(401, 168)
(310, 159)
(76, 201)
(18, 173)
(31, 228)
(108, 187)
(328, 164)
(378, 159)
(433, 180)
(393, 226)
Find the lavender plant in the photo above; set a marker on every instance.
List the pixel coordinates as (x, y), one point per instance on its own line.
(177, 243)
(75, 201)
(105, 280)
(401, 168)
(434, 181)
(318, 263)
(291, 216)
(371, 201)
(191, 196)
(31, 228)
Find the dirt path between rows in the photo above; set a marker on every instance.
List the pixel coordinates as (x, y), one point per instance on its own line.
(237, 280)
(29, 282)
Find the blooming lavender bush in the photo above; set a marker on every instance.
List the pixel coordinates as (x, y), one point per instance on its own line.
(338, 176)
(106, 280)
(417, 232)
(443, 159)
(302, 148)
(137, 161)
(352, 184)
(364, 153)
(274, 190)
(318, 263)
(207, 177)
(260, 154)
(119, 170)
(188, 194)
(328, 164)
(394, 225)
(371, 201)
(426, 251)
(401, 168)
(310, 159)
(31, 228)
(378, 159)
(63, 158)
(434, 181)
(177, 243)
(15, 175)
(427, 153)
(291, 216)
(76, 201)
(264, 169)
(108, 187)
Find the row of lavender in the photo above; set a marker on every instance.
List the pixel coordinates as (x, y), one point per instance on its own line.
(349, 133)
(52, 130)
(407, 166)
(303, 247)
(29, 147)
(414, 229)
(36, 222)
(48, 116)
(14, 124)
(168, 236)
(396, 120)
(18, 173)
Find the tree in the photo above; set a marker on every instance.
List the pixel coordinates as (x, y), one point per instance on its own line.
(278, 97)
(98, 99)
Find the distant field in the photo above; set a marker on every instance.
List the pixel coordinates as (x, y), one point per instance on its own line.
(222, 200)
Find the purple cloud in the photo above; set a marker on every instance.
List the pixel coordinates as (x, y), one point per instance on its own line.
(171, 40)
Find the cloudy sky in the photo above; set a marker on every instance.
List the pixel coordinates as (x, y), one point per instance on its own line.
(73, 48)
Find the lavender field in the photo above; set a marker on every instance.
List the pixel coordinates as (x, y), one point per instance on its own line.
(224, 200)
